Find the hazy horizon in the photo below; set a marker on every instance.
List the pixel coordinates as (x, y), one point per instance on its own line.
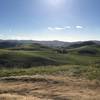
(48, 20)
(46, 40)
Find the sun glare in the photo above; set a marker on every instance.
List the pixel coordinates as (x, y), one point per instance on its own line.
(55, 3)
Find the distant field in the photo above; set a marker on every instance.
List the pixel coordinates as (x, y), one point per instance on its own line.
(25, 55)
(13, 58)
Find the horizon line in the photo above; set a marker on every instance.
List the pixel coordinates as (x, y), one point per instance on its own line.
(46, 40)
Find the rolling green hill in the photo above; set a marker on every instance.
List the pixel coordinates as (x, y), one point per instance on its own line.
(86, 50)
(31, 47)
(27, 54)
(20, 58)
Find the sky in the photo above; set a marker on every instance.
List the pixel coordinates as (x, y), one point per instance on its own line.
(64, 20)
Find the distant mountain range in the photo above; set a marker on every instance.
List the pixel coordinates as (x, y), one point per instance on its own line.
(56, 43)
(13, 43)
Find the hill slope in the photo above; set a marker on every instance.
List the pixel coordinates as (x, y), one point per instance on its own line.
(27, 54)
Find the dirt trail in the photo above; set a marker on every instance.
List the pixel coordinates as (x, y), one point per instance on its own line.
(48, 87)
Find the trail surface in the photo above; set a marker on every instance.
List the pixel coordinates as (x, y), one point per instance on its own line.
(48, 87)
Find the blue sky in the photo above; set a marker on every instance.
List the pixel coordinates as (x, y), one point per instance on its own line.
(66, 20)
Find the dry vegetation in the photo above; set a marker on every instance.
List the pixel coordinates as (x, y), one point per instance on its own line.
(48, 87)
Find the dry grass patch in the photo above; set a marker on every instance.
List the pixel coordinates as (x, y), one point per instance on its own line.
(49, 87)
(17, 97)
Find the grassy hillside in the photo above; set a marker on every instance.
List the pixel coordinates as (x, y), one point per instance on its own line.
(81, 44)
(31, 47)
(31, 58)
(32, 54)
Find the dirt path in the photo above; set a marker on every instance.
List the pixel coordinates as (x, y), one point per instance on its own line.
(48, 87)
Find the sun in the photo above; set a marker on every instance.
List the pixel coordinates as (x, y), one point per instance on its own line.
(55, 3)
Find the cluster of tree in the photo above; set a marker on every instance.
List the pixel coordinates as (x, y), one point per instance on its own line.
(62, 51)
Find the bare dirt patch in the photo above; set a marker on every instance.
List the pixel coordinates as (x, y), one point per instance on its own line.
(48, 87)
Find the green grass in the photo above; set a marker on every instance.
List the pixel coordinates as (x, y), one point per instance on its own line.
(13, 58)
(32, 71)
(90, 72)
(79, 62)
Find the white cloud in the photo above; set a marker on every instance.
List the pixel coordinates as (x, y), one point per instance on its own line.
(50, 29)
(79, 27)
(63, 28)
(58, 28)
